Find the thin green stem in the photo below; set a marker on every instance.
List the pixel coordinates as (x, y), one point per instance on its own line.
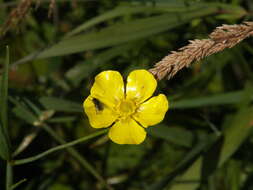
(9, 176)
(57, 148)
(77, 156)
(14, 186)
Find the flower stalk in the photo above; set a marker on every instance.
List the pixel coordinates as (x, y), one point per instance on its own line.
(9, 176)
(57, 148)
(77, 156)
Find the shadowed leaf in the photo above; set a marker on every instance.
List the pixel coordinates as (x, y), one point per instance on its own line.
(57, 104)
(213, 100)
(175, 135)
(124, 32)
(4, 138)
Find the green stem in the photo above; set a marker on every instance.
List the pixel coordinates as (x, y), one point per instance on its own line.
(14, 186)
(77, 156)
(60, 147)
(9, 176)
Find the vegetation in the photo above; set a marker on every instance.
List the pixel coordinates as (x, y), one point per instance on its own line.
(52, 50)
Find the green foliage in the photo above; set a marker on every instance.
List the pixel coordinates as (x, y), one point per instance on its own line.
(4, 136)
(206, 138)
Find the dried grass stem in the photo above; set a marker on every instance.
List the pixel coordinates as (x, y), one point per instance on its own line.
(225, 36)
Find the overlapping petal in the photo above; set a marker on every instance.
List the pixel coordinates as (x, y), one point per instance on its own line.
(98, 117)
(152, 111)
(141, 84)
(127, 132)
(108, 88)
(128, 112)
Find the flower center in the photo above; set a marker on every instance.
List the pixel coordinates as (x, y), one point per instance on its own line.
(126, 108)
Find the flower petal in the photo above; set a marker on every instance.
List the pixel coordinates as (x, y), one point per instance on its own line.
(108, 87)
(99, 117)
(152, 111)
(127, 132)
(141, 84)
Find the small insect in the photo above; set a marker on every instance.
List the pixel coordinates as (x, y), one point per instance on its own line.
(98, 104)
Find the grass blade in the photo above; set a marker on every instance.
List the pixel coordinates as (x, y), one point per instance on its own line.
(14, 186)
(189, 158)
(190, 180)
(234, 135)
(121, 32)
(213, 100)
(23, 111)
(60, 147)
(77, 73)
(132, 30)
(176, 135)
(236, 128)
(4, 146)
(56, 104)
(169, 7)
(119, 11)
(4, 138)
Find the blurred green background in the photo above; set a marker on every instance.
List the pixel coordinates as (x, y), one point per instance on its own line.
(205, 141)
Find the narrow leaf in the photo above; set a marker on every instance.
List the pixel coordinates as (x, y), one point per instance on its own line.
(167, 6)
(63, 119)
(188, 159)
(25, 114)
(190, 180)
(23, 110)
(4, 92)
(175, 135)
(118, 11)
(234, 135)
(219, 99)
(4, 138)
(4, 146)
(238, 128)
(14, 186)
(57, 104)
(77, 73)
(121, 33)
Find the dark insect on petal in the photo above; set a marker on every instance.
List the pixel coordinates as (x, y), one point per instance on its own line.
(98, 104)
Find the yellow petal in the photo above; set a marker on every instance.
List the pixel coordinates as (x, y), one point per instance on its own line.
(152, 111)
(141, 84)
(127, 132)
(99, 115)
(108, 88)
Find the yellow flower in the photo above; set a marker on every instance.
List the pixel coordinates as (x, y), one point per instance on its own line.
(128, 109)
